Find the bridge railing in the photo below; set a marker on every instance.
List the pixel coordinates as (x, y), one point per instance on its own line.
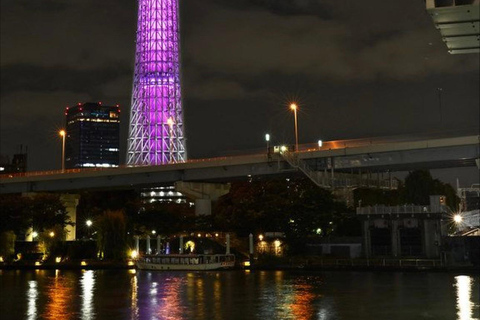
(381, 209)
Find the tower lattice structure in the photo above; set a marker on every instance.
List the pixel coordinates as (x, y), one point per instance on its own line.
(156, 132)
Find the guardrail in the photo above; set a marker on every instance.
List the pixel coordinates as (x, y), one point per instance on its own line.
(399, 209)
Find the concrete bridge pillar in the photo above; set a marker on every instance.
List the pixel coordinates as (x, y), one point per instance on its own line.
(203, 193)
(70, 201)
(367, 243)
(431, 241)
(395, 239)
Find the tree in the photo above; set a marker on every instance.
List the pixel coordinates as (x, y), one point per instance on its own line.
(294, 206)
(46, 212)
(373, 196)
(13, 214)
(42, 211)
(419, 186)
(111, 229)
(164, 218)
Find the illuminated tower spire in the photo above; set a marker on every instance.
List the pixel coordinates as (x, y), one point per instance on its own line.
(156, 133)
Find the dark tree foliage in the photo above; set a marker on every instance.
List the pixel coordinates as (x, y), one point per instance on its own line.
(419, 186)
(13, 214)
(417, 189)
(47, 211)
(370, 197)
(42, 211)
(164, 218)
(111, 227)
(94, 203)
(294, 206)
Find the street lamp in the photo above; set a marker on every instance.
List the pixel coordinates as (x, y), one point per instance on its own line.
(457, 219)
(63, 134)
(267, 139)
(320, 143)
(294, 107)
(170, 124)
(89, 224)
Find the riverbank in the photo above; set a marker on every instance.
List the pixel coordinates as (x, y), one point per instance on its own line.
(68, 265)
(383, 265)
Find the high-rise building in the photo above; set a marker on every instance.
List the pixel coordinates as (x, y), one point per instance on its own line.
(156, 132)
(93, 136)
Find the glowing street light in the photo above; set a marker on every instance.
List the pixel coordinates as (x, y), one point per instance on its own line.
(267, 139)
(34, 234)
(294, 107)
(457, 219)
(63, 134)
(51, 234)
(89, 223)
(320, 143)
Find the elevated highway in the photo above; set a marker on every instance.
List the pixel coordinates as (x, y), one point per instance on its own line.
(333, 158)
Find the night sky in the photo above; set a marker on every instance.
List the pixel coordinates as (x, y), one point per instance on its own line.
(357, 69)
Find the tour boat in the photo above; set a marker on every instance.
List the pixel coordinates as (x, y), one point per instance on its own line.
(190, 262)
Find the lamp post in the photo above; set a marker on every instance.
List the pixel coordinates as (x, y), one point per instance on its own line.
(63, 135)
(294, 107)
(170, 124)
(267, 139)
(89, 224)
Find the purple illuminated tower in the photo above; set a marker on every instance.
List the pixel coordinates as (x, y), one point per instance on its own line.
(156, 119)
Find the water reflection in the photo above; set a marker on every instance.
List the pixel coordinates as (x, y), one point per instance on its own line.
(302, 306)
(87, 283)
(32, 295)
(169, 306)
(59, 298)
(134, 298)
(217, 297)
(286, 298)
(464, 297)
(92, 295)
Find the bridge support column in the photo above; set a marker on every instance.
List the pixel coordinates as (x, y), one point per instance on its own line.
(203, 193)
(70, 201)
(431, 241)
(367, 242)
(395, 239)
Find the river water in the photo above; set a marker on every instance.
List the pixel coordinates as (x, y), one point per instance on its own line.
(145, 295)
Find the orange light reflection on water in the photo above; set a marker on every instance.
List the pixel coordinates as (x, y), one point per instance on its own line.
(302, 306)
(169, 305)
(134, 297)
(60, 296)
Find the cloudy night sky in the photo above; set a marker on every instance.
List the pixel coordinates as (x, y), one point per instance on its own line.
(357, 69)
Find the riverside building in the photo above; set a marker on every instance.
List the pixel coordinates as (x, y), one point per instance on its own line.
(92, 136)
